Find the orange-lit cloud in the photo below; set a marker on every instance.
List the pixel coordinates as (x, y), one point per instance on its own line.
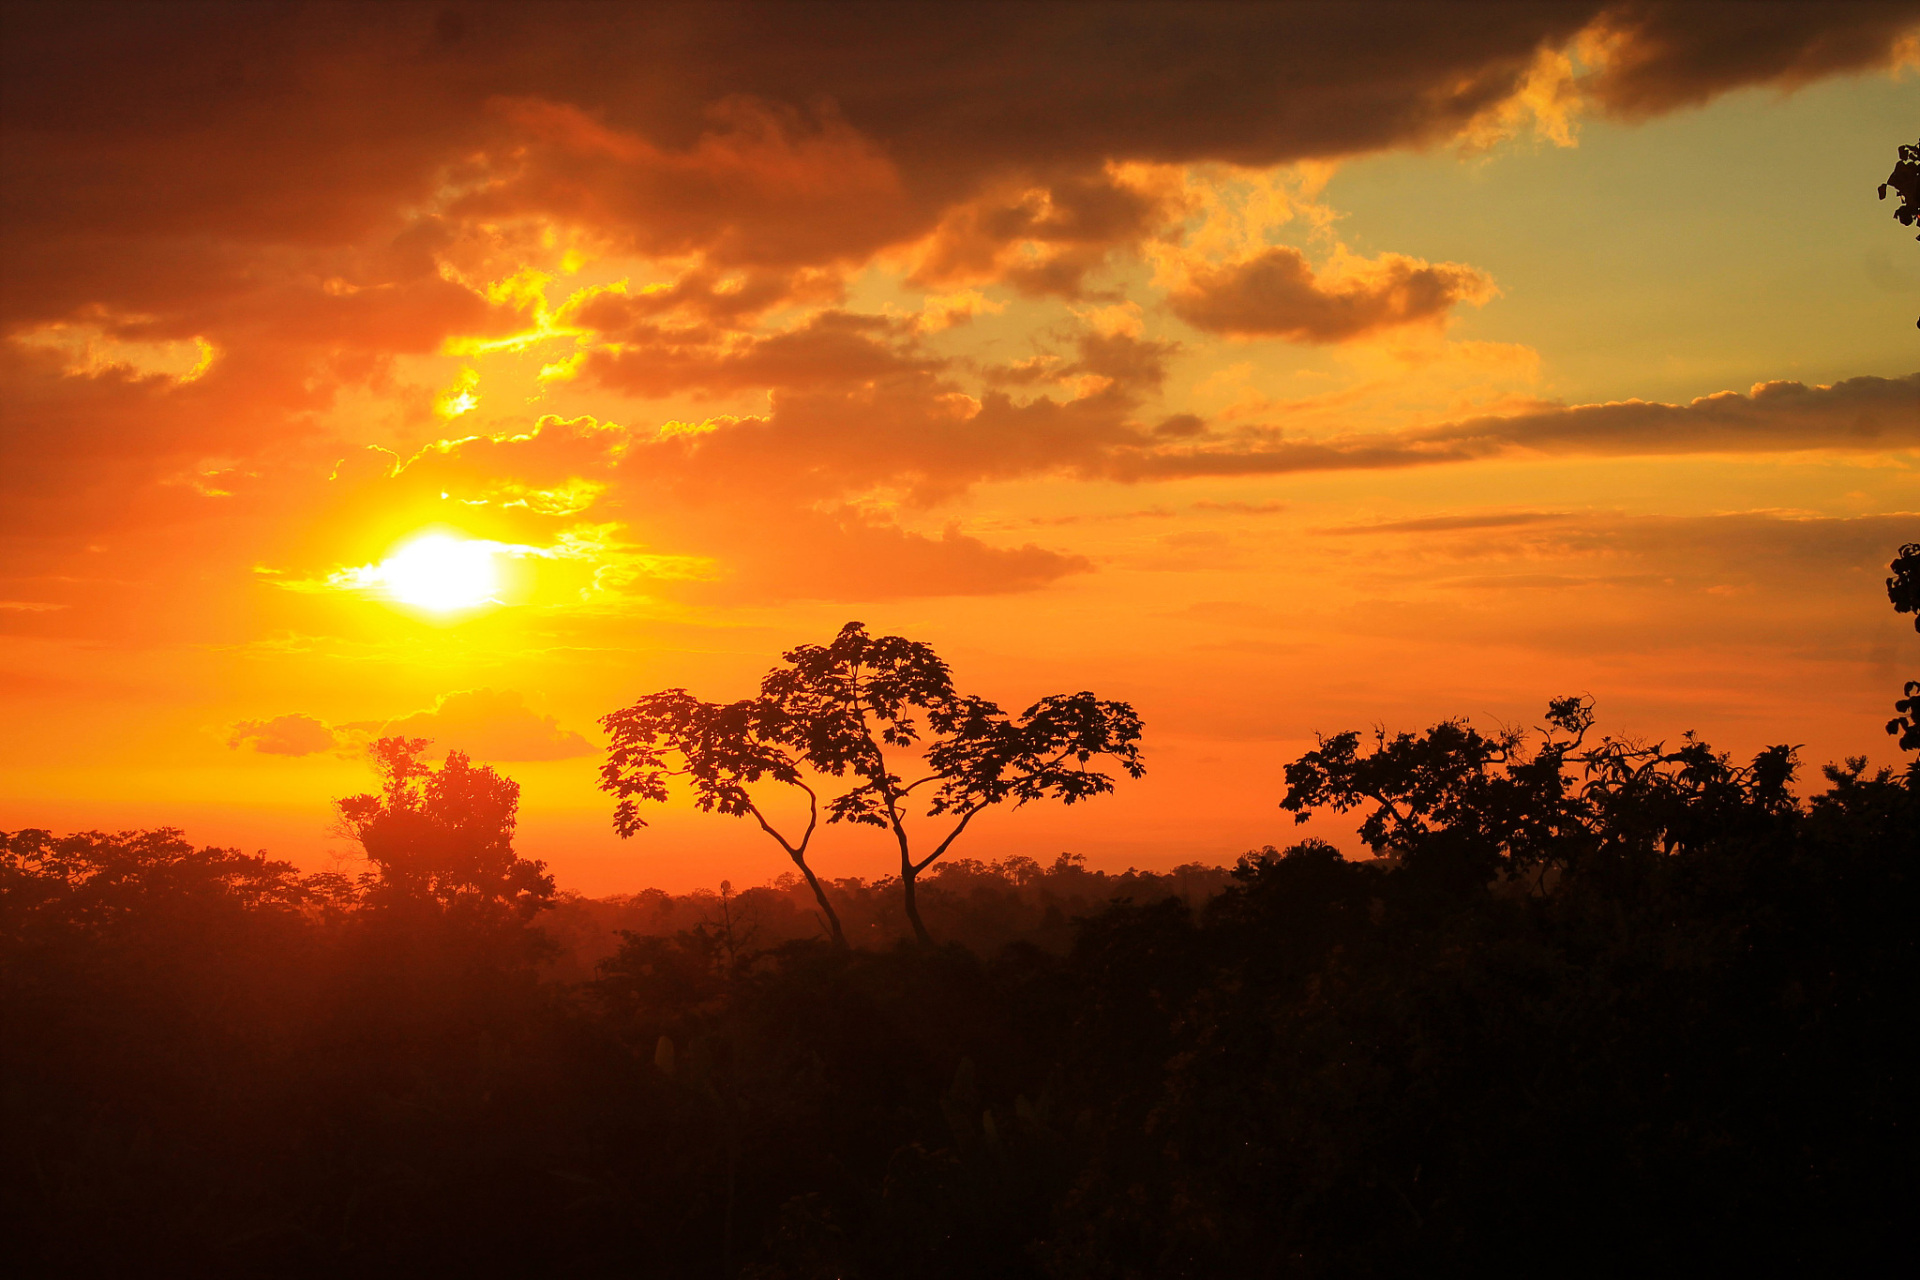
(1277, 294)
(288, 735)
(490, 724)
(1859, 414)
(487, 724)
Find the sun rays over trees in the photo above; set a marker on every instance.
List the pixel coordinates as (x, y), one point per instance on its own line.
(1608, 1005)
(1385, 542)
(1593, 1004)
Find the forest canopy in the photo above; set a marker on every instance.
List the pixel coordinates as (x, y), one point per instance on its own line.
(1609, 1004)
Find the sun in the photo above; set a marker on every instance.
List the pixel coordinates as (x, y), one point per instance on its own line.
(442, 572)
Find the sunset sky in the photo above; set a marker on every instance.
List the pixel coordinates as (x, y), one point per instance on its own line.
(1278, 369)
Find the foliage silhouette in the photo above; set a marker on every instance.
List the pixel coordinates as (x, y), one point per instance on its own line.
(1903, 589)
(720, 749)
(856, 709)
(1595, 1006)
(1905, 182)
(1660, 1025)
(1461, 809)
(861, 695)
(1456, 802)
(444, 837)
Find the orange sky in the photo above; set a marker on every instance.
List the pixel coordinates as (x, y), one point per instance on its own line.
(1279, 369)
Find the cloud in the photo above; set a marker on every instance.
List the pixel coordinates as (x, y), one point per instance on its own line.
(490, 725)
(1450, 524)
(485, 723)
(1656, 57)
(1804, 584)
(1856, 415)
(1276, 294)
(288, 735)
(760, 503)
(775, 500)
(833, 347)
(217, 139)
(1776, 555)
(847, 555)
(233, 181)
(1041, 237)
(1244, 508)
(762, 185)
(710, 295)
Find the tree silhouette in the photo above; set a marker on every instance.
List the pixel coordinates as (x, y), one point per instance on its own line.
(1454, 797)
(856, 699)
(1695, 1022)
(837, 711)
(1903, 589)
(1460, 809)
(444, 836)
(720, 749)
(1905, 181)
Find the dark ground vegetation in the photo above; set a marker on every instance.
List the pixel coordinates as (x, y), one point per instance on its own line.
(1592, 1008)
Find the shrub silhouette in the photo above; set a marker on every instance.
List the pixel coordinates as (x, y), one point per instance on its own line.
(443, 837)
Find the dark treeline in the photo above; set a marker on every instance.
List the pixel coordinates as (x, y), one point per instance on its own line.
(983, 906)
(1591, 1007)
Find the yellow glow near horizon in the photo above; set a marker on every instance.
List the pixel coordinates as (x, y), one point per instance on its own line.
(442, 572)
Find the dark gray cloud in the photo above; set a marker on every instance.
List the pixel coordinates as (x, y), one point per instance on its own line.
(1661, 56)
(1856, 415)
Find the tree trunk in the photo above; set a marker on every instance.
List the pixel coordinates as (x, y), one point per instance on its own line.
(907, 877)
(820, 896)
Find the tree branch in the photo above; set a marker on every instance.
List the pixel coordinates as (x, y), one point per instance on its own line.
(952, 835)
(795, 854)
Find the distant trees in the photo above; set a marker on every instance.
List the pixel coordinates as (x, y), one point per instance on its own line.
(1454, 795)
(1601, 1007)
(444, 836)
(1463, 809)
(869, 709)
(98, 878)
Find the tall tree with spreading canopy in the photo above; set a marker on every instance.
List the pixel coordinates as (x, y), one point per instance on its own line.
(863, 704)
(862, 708)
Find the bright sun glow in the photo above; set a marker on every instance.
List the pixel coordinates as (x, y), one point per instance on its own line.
(442, 572)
